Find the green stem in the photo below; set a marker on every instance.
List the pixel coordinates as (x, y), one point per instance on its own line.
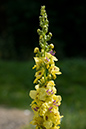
(44, 56)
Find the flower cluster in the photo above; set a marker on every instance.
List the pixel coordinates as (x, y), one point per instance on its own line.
(45, 103)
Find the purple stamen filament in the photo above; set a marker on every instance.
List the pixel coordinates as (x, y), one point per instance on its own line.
(50, 92)
(57, 105)
(52, 53)
(54, 101)
(50, 108)
(47, 59)
(35, 109)
(47, 90)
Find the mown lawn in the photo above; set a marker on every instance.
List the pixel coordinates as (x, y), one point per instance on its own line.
(16, 81)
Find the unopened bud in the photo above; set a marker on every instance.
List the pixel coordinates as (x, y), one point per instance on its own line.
(50, 34)
(40, 37)
(49, 76)
(51, 46)
(42, 50)
(36, 49)
(38, 31)
(43, 7)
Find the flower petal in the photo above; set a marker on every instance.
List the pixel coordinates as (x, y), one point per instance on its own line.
(33, 94)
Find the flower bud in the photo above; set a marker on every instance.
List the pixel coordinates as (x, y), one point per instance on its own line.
(39, 31)
(49, 76)
(42, 80)
(36, 49)
(40, 37)
(41, 45)
(42, 50)
(43, 7)
(51, 46)
(45, 28)
(50, 34)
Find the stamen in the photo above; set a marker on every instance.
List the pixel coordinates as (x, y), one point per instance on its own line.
(54, 101)
(35, 109)
(52, 93)
(51, 52)
(47, 91)
(50, 108)
(47, 59)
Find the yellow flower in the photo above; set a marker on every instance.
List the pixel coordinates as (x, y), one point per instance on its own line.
(49, 56)
(54, 70)
(33, 94)
(35, 107)
(51, 83)
(38, 75)
(54, 118)
(42, 94)
(47, 124)
(43, 109)
(50, 100)
(38, 61)
(50, 90)
(37, 120)
(37, 86)
(57, 99)
(55, 110)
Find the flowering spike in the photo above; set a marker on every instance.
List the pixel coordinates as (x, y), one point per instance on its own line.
(46, 102)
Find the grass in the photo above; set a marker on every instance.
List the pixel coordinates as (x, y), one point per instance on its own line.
(16, 81)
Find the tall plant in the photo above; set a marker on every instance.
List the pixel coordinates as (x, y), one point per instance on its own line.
(45, 104)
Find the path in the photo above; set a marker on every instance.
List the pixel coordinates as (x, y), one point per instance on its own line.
(14, 118)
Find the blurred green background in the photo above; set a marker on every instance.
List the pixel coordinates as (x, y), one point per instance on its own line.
(19, 20)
